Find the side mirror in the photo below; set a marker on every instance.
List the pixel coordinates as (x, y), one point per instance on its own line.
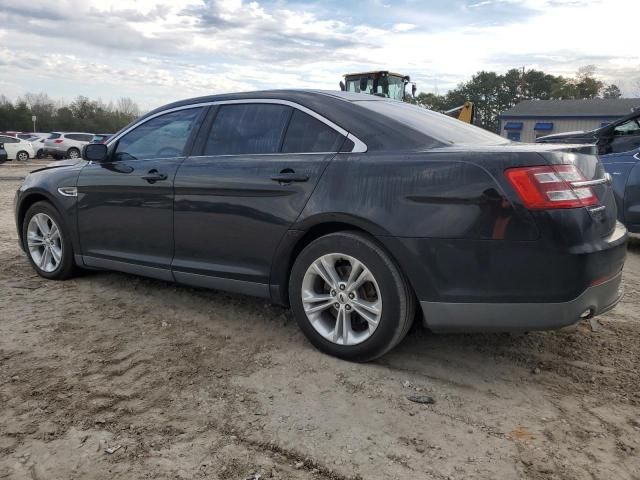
(342, 86)
(95, 152)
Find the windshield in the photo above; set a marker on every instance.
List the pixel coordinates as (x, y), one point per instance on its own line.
(389, 86)
(442, 128)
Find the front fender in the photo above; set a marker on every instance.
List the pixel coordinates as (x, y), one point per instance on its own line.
(44, 187)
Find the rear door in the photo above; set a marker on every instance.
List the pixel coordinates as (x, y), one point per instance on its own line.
(258, 164)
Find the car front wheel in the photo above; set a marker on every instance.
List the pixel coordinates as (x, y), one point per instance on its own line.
(47, 242)
(349, 297)
(22, 156)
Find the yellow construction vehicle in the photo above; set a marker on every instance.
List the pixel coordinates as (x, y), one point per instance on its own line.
(381, 83)
(393, 85)
(464, 113)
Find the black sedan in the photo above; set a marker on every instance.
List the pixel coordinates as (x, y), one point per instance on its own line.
(357, 211)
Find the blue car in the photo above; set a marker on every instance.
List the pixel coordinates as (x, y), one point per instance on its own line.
(618, 147)
(624, 169)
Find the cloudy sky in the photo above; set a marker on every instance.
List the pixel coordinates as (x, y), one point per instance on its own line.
(156, 51)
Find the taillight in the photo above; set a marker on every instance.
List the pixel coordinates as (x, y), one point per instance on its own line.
(58, 140)
(554, 186)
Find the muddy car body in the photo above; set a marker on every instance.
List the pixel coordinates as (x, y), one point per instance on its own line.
(353, 209)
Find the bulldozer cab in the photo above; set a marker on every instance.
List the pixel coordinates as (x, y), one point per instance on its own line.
(381, 83)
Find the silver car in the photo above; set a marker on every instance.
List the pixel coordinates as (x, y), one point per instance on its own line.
(66, 144)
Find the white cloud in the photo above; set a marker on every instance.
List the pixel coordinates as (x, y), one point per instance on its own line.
(403, 27)
(161, 50)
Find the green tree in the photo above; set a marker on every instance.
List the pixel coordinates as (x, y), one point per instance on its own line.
(611, 91)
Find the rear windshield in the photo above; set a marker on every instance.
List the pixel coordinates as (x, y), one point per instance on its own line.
(442, 128)
(53, 136)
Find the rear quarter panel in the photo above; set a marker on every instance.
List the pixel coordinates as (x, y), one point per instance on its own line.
(436, 195)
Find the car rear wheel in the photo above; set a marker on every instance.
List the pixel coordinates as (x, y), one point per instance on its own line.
(349, 297)
(22, 156)
(73, 153)
(47, 242)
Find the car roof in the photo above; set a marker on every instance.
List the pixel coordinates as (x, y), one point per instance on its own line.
(291, 94)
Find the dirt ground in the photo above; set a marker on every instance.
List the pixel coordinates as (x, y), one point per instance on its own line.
(185, 383)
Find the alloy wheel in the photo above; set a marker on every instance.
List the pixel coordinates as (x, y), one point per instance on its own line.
(23, 157)
(44, 242)
(73, 153)
(341, 299)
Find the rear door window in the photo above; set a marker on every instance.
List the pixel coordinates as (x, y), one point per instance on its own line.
(245, 129)
(308, 134)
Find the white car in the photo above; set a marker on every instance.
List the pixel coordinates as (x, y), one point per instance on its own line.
(17, 149)
(66, 144)
(27, 136)
(38, 145)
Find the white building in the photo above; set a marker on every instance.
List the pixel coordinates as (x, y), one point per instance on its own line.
(531, 119)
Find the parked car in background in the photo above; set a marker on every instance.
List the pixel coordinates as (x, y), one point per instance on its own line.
(27, 136)
(618, 145)
(66, 144)
(38, 145)
(353, 209)
(624, 168)
(101, 137)
(3, 153)
(17, 149)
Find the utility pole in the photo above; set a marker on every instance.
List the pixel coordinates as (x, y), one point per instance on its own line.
(33, 119)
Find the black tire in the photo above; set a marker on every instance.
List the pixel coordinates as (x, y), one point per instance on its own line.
(22, 156)
(73, 151)
(66, 267)
(40, 154)
(397, 296)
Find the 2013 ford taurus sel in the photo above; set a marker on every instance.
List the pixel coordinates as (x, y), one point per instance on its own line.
(352, 209)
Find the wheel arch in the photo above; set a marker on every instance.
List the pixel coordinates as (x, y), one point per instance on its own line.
(302, 234)
(27, 201)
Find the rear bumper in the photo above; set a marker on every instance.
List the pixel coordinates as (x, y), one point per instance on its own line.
(441, 316)
(511, 286)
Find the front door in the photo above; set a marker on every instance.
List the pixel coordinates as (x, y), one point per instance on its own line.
(125, 205)
(234, 203)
